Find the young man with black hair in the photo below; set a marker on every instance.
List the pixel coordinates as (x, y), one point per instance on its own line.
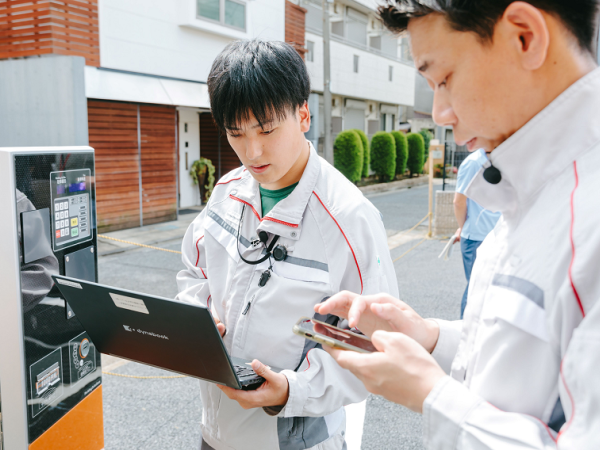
(328, 237)
(518, 77)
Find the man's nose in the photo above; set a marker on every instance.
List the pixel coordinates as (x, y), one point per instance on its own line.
(443, 113)
(253, 149)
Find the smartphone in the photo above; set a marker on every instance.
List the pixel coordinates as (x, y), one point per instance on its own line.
(335, 337)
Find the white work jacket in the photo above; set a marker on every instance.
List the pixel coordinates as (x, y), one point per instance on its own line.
(335, 240)
(525, 363)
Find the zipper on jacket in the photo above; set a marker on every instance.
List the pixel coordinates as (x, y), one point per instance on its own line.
(245, 311)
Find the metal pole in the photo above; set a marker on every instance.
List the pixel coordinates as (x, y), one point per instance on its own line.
(328, 145)
(430, 192)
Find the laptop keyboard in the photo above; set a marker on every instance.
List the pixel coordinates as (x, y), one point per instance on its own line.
(243, 371)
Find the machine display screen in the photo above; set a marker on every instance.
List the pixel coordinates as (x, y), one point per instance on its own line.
(70, 207)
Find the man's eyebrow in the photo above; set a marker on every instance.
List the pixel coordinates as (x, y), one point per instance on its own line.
(423, 68)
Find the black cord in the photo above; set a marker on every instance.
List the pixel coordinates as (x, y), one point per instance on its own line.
(269, 248)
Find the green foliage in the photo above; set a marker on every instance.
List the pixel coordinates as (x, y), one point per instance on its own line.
(427, 137)
(383, 156)
(401, 151)
(366, 152)
(204, 167)
(416, 151)
(348, 155)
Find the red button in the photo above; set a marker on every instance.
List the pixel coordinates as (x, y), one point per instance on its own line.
(57, 234)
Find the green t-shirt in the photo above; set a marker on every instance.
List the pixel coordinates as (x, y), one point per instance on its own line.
(269, 198)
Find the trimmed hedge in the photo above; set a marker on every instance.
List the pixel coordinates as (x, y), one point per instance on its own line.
(366, 152)
(401, 151)
(383, 156)
(416, 150)
(427, 136)
(348, 155)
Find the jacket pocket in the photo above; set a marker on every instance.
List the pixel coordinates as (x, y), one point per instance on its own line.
(518, 302)
(301, 269)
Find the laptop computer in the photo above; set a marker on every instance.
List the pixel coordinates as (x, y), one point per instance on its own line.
(157, 331)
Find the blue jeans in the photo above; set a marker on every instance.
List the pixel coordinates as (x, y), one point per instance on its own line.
(469, 252)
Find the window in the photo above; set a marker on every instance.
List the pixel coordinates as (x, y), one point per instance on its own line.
(355, 63)
(337, 28)
(227, 12)
(314, 15)
(391, 73)
(356, 26)
(310, 53)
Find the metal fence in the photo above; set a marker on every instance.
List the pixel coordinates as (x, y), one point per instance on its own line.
(453, 158)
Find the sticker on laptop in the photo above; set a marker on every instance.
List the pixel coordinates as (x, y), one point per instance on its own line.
(130, 303)
(69, 283)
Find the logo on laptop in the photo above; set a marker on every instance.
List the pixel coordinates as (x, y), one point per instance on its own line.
(147, 333)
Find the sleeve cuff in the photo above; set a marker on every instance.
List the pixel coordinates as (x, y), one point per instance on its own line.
(447, 343)
(444, 411)
(298, 394)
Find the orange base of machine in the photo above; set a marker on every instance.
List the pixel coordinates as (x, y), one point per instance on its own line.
(82, 428)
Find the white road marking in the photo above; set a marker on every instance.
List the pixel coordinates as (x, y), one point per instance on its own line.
(355, 420)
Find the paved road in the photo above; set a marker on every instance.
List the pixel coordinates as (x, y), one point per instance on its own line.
(164, 413)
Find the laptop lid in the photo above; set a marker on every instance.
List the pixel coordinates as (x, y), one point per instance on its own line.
(151, 330)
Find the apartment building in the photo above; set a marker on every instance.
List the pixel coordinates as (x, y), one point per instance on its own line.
(372, 75)
(129, 78)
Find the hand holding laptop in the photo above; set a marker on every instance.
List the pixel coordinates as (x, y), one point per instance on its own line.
(273, 392)
(220, 326)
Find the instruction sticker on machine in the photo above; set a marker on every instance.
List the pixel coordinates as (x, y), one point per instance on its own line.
(82, 357)
(46, 378)
(130, 303)
(71, 209)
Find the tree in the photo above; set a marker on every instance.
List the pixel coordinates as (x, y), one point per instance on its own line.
(383, 156)
(416, 150)
(348, 155)
(401, 151)
(366, 152)
(427, 136)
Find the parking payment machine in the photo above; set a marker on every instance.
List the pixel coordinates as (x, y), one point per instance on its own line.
(50, 371)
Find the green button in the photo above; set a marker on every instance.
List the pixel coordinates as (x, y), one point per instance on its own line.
(74, 232)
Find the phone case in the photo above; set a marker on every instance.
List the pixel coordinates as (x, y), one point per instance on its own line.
(323, 340)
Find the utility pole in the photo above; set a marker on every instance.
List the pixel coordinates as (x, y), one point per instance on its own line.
(328, 145)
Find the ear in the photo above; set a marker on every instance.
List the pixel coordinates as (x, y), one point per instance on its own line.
(528, 31)
(304, 117)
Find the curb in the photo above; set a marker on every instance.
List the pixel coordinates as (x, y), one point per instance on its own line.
(394, 185)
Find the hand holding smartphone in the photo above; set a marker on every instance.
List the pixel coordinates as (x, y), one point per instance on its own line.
(334, 337)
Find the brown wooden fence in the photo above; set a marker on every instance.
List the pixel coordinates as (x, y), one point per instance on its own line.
(39, 27)
(133, 157)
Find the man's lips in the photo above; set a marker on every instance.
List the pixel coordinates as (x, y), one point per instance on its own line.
(470, 144)
(259, 169)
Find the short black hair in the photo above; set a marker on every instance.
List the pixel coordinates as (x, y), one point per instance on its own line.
(265, 78)
(481, 16)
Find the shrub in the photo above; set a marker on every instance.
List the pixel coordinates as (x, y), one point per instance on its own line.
(383, 156)
(366, 152)
(401, 151)
(416, 150)
(203, 171)
(348, 155)
(427, 136)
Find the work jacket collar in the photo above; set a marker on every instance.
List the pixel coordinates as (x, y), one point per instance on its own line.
(285, 219)
(542, 149)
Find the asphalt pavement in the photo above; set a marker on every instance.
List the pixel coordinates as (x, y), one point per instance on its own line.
(159, 413)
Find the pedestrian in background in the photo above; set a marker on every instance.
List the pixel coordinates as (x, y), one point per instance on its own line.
(474, 222)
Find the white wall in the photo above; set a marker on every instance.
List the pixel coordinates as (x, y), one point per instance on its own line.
(189, 194)
(370, 83)
(164, 37)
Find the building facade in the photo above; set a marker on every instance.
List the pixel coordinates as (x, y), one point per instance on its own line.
(144, 68)
(372, 75)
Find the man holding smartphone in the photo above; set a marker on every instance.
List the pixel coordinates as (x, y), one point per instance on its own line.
(521, 370)
(280, 234)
